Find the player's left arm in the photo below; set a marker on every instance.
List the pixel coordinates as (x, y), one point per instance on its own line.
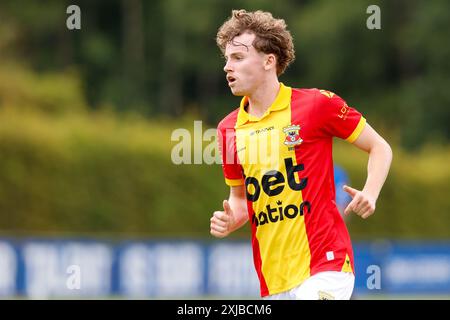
(380, 157)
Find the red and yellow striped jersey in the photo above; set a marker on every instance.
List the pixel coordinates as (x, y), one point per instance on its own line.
(284, 158)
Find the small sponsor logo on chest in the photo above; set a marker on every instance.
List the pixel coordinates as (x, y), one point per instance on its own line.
(262, 130)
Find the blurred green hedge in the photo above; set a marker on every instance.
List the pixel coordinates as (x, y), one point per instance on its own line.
(49, 92)
(95, 174)
(100, 175)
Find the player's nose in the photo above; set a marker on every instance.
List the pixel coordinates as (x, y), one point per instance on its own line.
(227, 68)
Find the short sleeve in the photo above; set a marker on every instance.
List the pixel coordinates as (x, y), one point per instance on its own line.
(232, 170)
(337, 118)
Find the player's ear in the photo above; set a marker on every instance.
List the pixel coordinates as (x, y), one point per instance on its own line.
(270, 61)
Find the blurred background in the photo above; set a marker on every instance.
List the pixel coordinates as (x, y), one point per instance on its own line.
(87, 116)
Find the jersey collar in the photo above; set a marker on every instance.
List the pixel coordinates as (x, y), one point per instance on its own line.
(281, 102)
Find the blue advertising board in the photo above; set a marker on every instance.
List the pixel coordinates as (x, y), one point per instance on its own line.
(42, 269)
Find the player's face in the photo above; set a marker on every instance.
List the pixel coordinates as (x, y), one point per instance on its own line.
(244, 65)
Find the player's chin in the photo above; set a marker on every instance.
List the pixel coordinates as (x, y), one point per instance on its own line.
(236, 92)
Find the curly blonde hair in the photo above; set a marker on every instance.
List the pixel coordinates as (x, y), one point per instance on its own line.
(271, 35)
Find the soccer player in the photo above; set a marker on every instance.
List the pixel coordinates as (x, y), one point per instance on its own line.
(277, 159)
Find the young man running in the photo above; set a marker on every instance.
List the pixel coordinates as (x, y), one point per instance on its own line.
(277, 159)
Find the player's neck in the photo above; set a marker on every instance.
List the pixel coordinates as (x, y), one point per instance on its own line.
(263, 97)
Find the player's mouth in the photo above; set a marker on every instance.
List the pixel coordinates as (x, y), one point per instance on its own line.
(231, 80)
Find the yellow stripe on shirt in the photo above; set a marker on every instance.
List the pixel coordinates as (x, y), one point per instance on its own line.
(359, 128)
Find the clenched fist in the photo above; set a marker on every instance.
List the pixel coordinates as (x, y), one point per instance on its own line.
(222, 221)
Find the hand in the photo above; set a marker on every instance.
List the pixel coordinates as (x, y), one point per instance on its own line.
(222, 221)
(362, 204)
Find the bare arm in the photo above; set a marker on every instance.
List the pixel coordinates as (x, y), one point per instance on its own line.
(380, 158)
(233, 216)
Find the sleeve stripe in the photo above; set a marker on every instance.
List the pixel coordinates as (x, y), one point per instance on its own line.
(234, 182)
(359, 128)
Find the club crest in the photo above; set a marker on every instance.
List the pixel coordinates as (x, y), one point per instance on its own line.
(292, 135)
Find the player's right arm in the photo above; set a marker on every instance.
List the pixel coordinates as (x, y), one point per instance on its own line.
(234, 214)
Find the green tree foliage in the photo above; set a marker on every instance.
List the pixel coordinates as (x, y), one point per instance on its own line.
(160, 57)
